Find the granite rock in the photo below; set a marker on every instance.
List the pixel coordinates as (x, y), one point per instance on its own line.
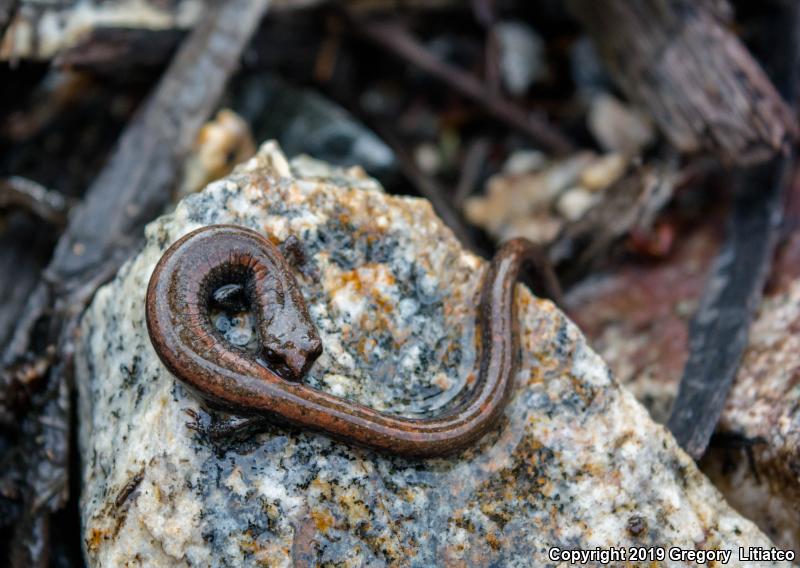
(575, 463)
(637, 317)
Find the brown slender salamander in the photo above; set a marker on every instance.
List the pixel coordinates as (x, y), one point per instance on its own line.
(214, 263)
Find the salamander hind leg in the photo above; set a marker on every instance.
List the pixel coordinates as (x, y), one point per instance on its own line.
(226, 431)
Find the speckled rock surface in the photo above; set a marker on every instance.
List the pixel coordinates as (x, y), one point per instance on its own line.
(575, 463)
(638, 317)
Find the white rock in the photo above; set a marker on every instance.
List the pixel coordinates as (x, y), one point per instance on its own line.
(521, 55)
(619, 127)
(573, 203)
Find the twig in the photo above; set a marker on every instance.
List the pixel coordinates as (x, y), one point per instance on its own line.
(485, 12)
(471, 170)
(397, 40)
(49, 205)
(719, 330)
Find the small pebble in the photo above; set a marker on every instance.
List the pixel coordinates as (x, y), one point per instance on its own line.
(618, 127)
(604, 172)
(574, 202)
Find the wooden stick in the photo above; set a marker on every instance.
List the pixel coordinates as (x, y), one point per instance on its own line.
(719, 330)
(702, 86)
(26, 194)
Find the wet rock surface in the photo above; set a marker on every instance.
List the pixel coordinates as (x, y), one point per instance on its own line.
(575, 463)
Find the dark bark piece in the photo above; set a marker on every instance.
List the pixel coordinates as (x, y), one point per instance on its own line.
(397, 40)
(20, 269)
(40, 462)
(138, 180)
(699, 82)
(18, 382)
(120, 51)
(34, 532)
(719, 330)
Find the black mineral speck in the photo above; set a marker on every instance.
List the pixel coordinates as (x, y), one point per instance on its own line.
(637, 526)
